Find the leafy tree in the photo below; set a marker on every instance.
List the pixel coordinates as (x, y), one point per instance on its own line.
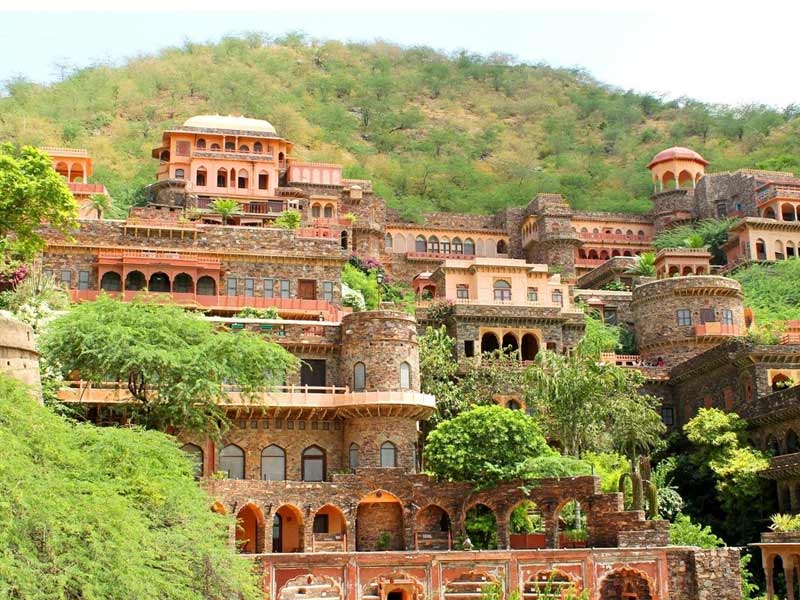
(30, 192)
(171, 363)
(288, 219)
(225, 208)
(708, 232)
(645, 265)
(100, 203)
(684, 532)
(366, 284)
(598, 337)
(485, 445)
(105, 512)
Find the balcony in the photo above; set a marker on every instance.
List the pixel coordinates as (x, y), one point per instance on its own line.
(717, 329)
(322, 401)
(85, 189)
(114, 256)
(233, 155)
(769, 192)
(613, 237)
(285, 306)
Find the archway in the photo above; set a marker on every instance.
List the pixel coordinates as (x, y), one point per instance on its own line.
(287, 529)
(788, 213)
(769, 213)
(159, 282)
(529, 346)
(195, 454)
(761, 250)
(780, 381)
(526, 526)
(433, 528)
(685, 180)
(111, 282)
(668, 180)
(771, 445)
(311, 586)
(344, 240)
(379, 523)
(480, 525)
(489, 343)
(330, 530)
(687, 271)
(134, 281)
(183, 284)
(625, 584)
(482, 583)
(250, 529)
(206, 286)
(502, 247)
(571, 525)
(510, 344)
(231, 461)
(547, 585)
(792, 442)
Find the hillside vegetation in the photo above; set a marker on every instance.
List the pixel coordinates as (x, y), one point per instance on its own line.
(448, 132)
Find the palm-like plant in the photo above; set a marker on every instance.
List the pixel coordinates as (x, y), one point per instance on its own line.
(645, 265)
(100, 203)
(225, 207)
(695, 240)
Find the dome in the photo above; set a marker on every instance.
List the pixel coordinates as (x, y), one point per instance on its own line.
(230, 122)
(677, 152)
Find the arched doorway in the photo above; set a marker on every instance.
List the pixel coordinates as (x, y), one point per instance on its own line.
(206, 286)
(111, 282)
(510, 344)
(530, 346)
(433, 528)
(183, 284)
(625, 584)
(159, 282)
(379, 522)
(250, 529)
(330, 530)
(287, 530)
(480, 525)
(489, 343)
(134, 281)
(526, 526)
(195, 454)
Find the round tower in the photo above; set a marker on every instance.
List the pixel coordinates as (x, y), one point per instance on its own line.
(678, 318)
(675, 173)
(380, 358)
(18, 356)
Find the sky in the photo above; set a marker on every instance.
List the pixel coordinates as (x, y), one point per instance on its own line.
(714, 52)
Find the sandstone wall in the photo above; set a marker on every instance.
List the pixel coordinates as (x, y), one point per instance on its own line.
(18, 356)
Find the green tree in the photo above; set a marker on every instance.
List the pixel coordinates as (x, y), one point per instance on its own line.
(100, 203)
(225, 208)
(288, 219)
(645, 265)
(172, 363)
(708, 232)
(362, 282)
(31, 192)
(485, 445)
(684, 532)
(108, 512)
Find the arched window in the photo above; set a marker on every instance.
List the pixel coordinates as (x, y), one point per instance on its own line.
(135, 281)
(244, 148)
(353, 456)
(502, 291)
(200, 176)
(502, 247)
(258, 148)
(201, 144)
(359, 377)
(316, 211)
(179, 173)
(222, 178)
(327, 212)
(183, 284)
(273, 463)
(433, 244)
(111, 282)
(513, 405)
(388, 455)
(263, 180)
(231, 461)
(206, 286)
(469, 247)
(445, 246)
(343, 238)
(387, 241)
(195, 453)
(313, 464)
(458, 246)
(420, 244)
(159, 282)
(405, 376)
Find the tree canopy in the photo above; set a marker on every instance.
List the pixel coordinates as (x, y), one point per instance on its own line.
(30, 192)
(172, 363)
(485, 445)
(105, 512)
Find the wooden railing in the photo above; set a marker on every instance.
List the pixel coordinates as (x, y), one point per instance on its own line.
(716, 328)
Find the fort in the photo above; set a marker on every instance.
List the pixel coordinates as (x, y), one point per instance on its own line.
(323, 473)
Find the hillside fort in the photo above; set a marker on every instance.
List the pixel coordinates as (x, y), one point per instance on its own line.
(323, 475)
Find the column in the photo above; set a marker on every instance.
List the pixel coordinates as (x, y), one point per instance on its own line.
(788, 571)
(767, 562)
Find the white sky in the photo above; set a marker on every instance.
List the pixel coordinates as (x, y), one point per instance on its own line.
(732, 52)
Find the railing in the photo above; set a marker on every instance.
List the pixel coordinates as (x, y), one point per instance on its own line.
(86, 188)
(64, 151)
(266, 207)
(232, 154)
(776, 191)
(219, 302)
(158, 255)
(590, 262)
(716, 328)
(477, 302)
(680, 250)
(159, 223)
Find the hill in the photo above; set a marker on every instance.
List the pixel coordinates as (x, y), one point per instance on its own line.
(448, 132)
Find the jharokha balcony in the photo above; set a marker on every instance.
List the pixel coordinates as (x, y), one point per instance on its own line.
(324, 402)
(717, 329)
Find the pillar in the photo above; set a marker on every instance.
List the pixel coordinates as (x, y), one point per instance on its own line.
(767, 561)
(788, 571)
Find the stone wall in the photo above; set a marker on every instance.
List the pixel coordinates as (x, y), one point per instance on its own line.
(728, 192)
(369, 433)
(376, 520)
(382, 340)
(655, 307)
(18, 356)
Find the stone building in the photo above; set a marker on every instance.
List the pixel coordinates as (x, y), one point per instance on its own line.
(322, 473)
